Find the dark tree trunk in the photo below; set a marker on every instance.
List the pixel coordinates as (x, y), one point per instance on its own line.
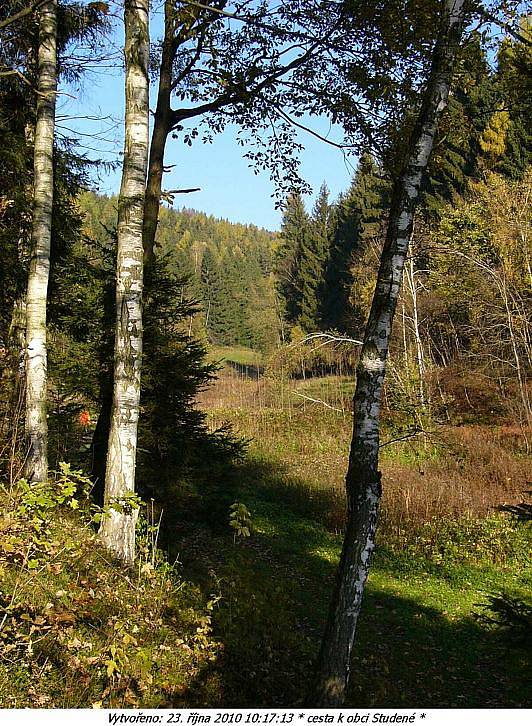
(363, 477)
(100, 438)
(161, 129)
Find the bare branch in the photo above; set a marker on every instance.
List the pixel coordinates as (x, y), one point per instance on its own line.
(409, 435)
(506, 27)
(310, 131)
(318, 400)
(330, 338)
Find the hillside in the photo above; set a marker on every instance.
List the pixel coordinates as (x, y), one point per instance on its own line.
(228, 267)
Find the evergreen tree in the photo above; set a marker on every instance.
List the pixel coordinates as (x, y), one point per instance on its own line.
(514, 84)
(174, 440)
(212, 296)
(486, 124)
(358, 215)
(312, 262)
(455, 160)
(295, 231)
(338, 273)
(371, 193)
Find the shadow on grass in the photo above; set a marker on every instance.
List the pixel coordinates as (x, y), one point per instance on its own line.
(275, 590)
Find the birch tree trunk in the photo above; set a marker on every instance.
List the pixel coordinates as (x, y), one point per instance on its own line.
(36, 467)
(363, 480)
(118, 528)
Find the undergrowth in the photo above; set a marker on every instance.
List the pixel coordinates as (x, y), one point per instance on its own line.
(76, 628)
(238, 620)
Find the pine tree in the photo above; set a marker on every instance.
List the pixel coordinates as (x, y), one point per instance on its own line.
(455, 160)
(214, 309)
(347, 239)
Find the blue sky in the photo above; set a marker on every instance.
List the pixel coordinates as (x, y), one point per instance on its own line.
(229, 188)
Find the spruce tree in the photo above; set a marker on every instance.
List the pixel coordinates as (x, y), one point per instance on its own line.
(357, 218)
(313, 259)
(295, 230)
(514, 86)
(212, 291)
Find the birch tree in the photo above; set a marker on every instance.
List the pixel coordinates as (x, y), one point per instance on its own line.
(118, 527)
(36, 358)
(363, 480)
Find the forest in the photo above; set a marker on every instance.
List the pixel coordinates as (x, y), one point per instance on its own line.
(266, 468)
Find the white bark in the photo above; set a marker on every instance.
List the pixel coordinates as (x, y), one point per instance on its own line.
(36, 468)
(420, 354)
(118, 528)
(363, 480)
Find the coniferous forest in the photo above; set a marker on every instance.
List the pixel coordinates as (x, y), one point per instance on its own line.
(266, 468)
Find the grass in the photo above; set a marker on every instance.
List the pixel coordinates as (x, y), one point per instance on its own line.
(457, 469)
(235, 354)
(419, 643)
(238, 622)
(79, 630)
(443, 547)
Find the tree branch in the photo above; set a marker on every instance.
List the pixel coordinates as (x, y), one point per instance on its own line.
(505, 26)
(310, 131)
(233, 16)
(318, 400)
(242, 93)
(22, 13)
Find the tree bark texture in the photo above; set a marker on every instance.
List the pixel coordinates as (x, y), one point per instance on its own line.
(100, 438)
(36, 467)
(363, 480)
(118, 527)
(161, 129)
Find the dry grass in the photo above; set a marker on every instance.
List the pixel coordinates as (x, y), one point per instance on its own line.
(474, 470)
(461, 470)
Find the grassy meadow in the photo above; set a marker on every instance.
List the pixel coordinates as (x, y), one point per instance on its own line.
(443, 548)
(223, 620)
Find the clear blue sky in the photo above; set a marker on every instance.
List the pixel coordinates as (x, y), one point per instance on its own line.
(229, 188)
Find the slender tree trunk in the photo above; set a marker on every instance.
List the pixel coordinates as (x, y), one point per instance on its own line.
(100, 438)
(521, 379)
(420, 355)
(36, 468)
(100, 441)
(363, 480)
(118, 529)
(17, 335)
(161, 129)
